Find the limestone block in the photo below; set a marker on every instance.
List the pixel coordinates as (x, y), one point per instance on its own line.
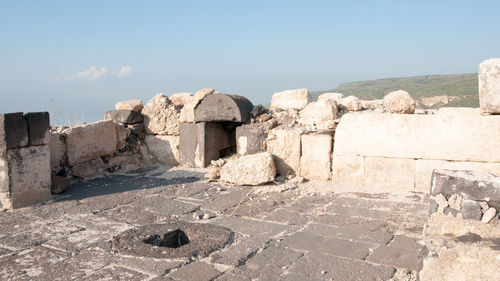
(135, 105)
(337, 97)
(471, 210)
(180, 99)
(399, 102)
(460, 138)
(121, 136)
(391, 173)
(472, 185)
(319, 115)
(164, 148)
(38, 127)
(250, 139)
(223, 108)
(348, 170)
(90, 141)
(187, 112)
(350, 103)
(161, 117)
(458, 111)
(124, 116)
(489, 86)
(290, 99)
(29, 175)
(13, 131)
(243, 171)
(57, 151)
(200, 143)
(284, 145)
(316, 159)
(424, 169)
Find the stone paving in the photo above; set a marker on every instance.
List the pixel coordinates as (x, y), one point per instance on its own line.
(281, 231)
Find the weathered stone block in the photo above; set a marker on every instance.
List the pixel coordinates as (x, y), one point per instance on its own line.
(13, 131)
(290, 99)
(284, 145)
(489, 86)
(242, 171)
(399, 102)
(180, 99)
(203, 142)
(424, 169)
(135, 105)
(337, 97)
(38, 127)
(471, 210)
(187, 112)
(223, 108)
(348, 170)
(161, 116)
(350, 103)
(461, 138)
(59, 183)
(393, 173)
(90, 141)
(472, 185)
(124, 116)
(57, 151)
(28, 176)
(316, 159)
(319, 115)
(164, 148)
(250, 139)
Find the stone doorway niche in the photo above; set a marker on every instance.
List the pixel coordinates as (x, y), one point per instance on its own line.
(213, 135)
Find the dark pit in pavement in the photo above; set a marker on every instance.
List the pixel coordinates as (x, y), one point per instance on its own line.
(175, 239)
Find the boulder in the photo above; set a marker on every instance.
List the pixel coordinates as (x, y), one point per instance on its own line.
(161, 116)
(13, 131)
(489, 86)
(164, 148)
(180, 99)
(124, 116)
(290, 99)
(90, 141)
(284, 145)
(472, 185)
(135, 105)
(337, 97)
(399, 102)
(319, 115)
(187, 112)
(223, 108)
(350, 103)
(242, 171)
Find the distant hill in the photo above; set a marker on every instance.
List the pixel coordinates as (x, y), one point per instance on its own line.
(460, 89)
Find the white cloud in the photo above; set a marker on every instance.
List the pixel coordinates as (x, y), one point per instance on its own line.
(92, 73)
(124, 71)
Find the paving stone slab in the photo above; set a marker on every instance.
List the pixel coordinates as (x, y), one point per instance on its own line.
(132, 215)
(164, 206)
(154, 267)
(253, 227)
(328, 267)
(296, 277)
(196, 271)
(310, 204)
(343, 220)
(80, 241)
(289, 217)
(227, 200)
(116, 273)
(398, 257)
(333, 246)
(185, 190)
(261, 205)
(351, 233)
(239, 251)
(405, 242)
(357, 212)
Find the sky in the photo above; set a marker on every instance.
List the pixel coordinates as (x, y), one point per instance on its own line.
(76, 59)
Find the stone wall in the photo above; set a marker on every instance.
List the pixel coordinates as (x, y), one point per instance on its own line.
(401, 150)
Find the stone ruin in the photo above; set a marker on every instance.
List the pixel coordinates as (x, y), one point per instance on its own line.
(387, 143)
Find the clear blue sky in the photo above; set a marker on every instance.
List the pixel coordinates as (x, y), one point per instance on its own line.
(86, 55)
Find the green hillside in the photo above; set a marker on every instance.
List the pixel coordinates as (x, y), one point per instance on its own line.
(464, 85)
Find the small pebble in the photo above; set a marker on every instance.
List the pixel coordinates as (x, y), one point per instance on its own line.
(196, 216)
(489, 215)
(323, 272)
(206, 216)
